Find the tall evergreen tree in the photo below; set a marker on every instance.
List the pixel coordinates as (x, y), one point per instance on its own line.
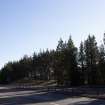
(101, 65)
(91, 55)
(71, 62)
(81, 62)
(59, 71)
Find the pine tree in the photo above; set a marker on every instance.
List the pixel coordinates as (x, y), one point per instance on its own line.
(91, 55)
(71, 62)
(101, 65)
(81, 61)
(59, 71)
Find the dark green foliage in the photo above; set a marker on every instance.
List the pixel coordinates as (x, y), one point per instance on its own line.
(59, 62)
(66, 64)
(71, 62)
(91, 57)
(81, 63)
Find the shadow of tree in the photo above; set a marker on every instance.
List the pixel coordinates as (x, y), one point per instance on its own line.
(42, 97)
(32, 98)
(93, 102)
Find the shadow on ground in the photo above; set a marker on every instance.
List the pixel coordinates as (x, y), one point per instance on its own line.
(94, 102)
(32, 98)
(43, 97)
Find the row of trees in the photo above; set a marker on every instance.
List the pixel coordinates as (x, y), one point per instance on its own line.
(67, 64)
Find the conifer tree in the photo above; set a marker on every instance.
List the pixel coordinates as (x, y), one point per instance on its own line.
(91, 55)
(81, 62)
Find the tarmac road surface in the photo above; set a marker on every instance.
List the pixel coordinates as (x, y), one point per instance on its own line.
(33, 97)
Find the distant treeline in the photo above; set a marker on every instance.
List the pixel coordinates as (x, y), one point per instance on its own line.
(68, 65)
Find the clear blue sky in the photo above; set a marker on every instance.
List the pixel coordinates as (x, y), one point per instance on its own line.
(30, 25)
